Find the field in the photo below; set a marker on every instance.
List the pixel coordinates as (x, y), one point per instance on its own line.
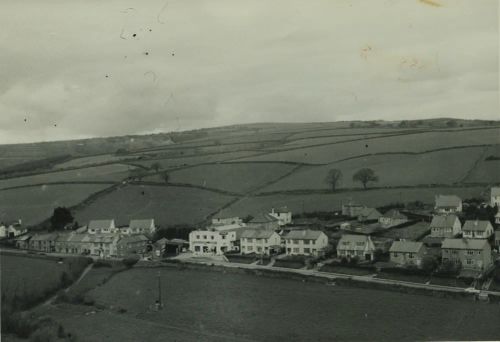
(92, 160)
(410, 232)
(392, 169)
(105, 173)
(168, 205)
(35, 204)
(240, 177)
(211, 306)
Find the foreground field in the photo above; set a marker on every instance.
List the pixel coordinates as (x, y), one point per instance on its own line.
(168, 205)
(35, 204)
(211, 306)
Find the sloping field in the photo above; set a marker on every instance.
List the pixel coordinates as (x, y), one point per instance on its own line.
(326, 131)
(100, 159)
(333, 201)
(486, 171)
(35, 204)
(404, 143)
(442, 167)
(168, 205)
(320, 140)
(111, 173)
(211, 306)
(238, 177)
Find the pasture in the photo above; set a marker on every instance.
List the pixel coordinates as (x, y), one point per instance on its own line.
(168, 205)
(211, 306)
(93, 160)
(238, 177)
(104, 173)
(35, 204)
(392, 169)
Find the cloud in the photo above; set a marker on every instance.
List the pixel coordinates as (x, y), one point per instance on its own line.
(111, 68)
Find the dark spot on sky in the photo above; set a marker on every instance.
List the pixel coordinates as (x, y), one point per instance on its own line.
(142, 192)
(366, 145)
(55, 125)
(25, 120)
(134, 35)
(107, 76)
(173, 54)
(150, 30)
(146, 53)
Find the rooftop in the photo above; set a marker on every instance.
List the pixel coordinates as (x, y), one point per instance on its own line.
(495, 191)
(439, 221)
(99, 224)
(406, 246)
(395, 214)
(447, 201)
(257, 233)
(477, 226)
(303, 234)
(142, 224)
(464, 244)
(263, 218)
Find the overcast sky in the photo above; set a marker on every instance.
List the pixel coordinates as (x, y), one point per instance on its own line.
(73, 69)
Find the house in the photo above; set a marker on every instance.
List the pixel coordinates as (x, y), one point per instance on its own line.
(283, 215)
(406, 253)
(159, 247)
(73, 243)
(306, 242)
(214, 241)
(264, 220)
(259, 241)
(223, 220)
(22, 241)
(43, 242)
(392, 218)
(477, 229)
(445, 226)
(369, 215)
(473, 254)
(497, 239)
(497, 217)
(101, 227)
(356, 246)
(12, 230)
(351, 209)
(495, 197)
(3, 230)
(134, 244)
(448, 204)
(103, 245)
(146, 226)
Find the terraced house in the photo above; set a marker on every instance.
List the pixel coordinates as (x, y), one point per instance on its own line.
(259, 241)
(445, 226)
(44, 242)
(472, 254)
(356, 246)
(135, 244)
(477, 229)
(305, 242)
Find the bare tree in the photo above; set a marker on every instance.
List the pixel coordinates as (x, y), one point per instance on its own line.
(333, 178)
(364, 176)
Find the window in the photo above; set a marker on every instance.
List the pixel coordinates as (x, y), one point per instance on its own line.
(259, 249)
(242, 248)
(469, 262)
(295, 250)
(197, 248)
(411, 255)
(250, 248)
(223, 237)
(306, 242)
(212, 237)
(470, 252)
(478, 252)
(307, 250)
(395, 255)
(204, 237)
(295, 242)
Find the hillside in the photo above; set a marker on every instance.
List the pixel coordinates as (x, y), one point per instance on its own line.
(244, 169)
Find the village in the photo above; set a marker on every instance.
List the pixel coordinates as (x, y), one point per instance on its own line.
(448, 239)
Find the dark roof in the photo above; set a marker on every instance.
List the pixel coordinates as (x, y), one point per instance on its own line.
(263, 218)
(477, 226)
(406, 246)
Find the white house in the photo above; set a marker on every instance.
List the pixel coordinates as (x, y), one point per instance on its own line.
(12, 230)
(495, 197)
(3, 230)
(102, 227)
(259, 241)
(356, 246)
(214, 241)
(445, 226)
(448, 204)
(283, 214)
(477, 229)
(146, 226)
(305, 242)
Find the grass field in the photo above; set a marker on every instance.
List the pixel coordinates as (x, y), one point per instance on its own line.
(211, 306)
(168, 205)
(409, 233)
(111, 172)
(403, 143)
(230, 177)
(92, 160)
(392, 169)
(35, 204)
(333, 201)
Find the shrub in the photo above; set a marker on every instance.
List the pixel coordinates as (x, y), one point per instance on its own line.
(130, 261)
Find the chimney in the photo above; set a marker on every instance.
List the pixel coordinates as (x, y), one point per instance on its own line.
(20, 221)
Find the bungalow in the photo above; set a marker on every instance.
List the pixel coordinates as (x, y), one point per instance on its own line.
(214, 241)
(473, 254)
(369, 215)
(134, 244)
(101, 227)
(259, 241)
(283, 214)
(146, 226)
(406, 253)
(305, 242)
(477, 229)
(392, 218)
(43, 242)
(264, 220)
(351, 209)
(448, 204)
(356, 246)
(495, 197)
(445, 226)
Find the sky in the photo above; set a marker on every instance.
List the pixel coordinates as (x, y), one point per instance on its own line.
(88, 68)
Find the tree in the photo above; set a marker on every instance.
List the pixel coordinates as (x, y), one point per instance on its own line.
(364, 176)
(130, 261)
(60, 218)
(333, 178)
(165, 176)
(429, 264)
(156, 166)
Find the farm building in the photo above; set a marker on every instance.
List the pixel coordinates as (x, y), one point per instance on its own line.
(259, 241)
(351, 209)
(473, 254)
(406, 253)
(134, 244)
(448, 204)
(305, 242)
(264, 220)
(392, 218)
(477, 229)
(495, 197)
(102, 227)
(369, 215)
(283, 214)
(146, 226)
(356, 246)
(214, 241)
(445, 226)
